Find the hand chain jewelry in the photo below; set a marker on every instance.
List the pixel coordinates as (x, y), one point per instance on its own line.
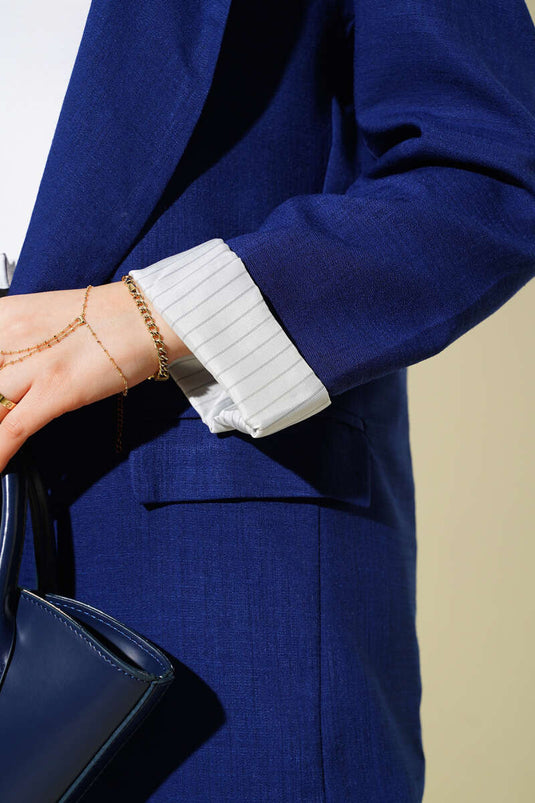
(71, 327)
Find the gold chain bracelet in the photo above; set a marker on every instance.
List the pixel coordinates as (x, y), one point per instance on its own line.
(163, 360)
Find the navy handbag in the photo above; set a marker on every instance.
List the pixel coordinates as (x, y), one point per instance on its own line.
(75, 683)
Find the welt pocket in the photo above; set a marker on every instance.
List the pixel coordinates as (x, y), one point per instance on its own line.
(325, 456)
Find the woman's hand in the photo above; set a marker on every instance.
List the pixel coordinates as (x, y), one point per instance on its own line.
(75, 371)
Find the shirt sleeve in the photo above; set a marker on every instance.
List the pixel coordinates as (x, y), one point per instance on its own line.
(245, 373)
(6, 271)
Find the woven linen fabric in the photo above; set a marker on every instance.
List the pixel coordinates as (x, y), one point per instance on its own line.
(372, 164)
(289, 616)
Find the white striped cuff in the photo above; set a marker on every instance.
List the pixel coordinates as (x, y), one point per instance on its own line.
(245, 373)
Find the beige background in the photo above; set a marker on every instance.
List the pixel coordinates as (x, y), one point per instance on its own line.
(473, 445)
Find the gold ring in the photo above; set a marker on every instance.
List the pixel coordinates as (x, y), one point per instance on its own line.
(7, 402)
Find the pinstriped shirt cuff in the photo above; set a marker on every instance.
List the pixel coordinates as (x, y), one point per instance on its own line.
(245, 373)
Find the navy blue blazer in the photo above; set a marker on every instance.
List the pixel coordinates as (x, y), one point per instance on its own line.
(372, 163)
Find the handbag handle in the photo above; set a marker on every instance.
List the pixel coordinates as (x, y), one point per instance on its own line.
(20, 484)
(12, 527)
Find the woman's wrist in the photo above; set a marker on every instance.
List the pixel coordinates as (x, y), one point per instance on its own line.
(153, 329)
(175, 345)
(114, 309)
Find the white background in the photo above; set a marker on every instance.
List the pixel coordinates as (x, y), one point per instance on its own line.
(39, 40)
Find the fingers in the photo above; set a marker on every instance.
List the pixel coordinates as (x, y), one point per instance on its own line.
(72, 372)
(16, 425)
(6, 404)
(7, 398)
(13, 386)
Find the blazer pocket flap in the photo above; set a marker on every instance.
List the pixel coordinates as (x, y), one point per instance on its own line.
(322, 456)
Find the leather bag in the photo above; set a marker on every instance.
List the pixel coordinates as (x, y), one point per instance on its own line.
(75, 683)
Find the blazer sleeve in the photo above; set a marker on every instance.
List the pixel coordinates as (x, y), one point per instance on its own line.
(244, 372)
(438, 229)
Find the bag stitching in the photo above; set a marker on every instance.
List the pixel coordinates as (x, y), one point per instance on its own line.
(113, 627)
(81, 636)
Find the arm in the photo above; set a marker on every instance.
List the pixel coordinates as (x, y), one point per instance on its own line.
(243, 371)
(438, 230)
(435, 233)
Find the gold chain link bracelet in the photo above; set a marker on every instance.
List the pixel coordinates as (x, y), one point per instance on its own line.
(163, 360)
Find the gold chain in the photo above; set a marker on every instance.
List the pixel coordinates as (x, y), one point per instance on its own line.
(163, 360)
(102, 346)
(71, 327)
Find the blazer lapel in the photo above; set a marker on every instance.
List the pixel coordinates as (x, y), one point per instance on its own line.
(138, 86)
